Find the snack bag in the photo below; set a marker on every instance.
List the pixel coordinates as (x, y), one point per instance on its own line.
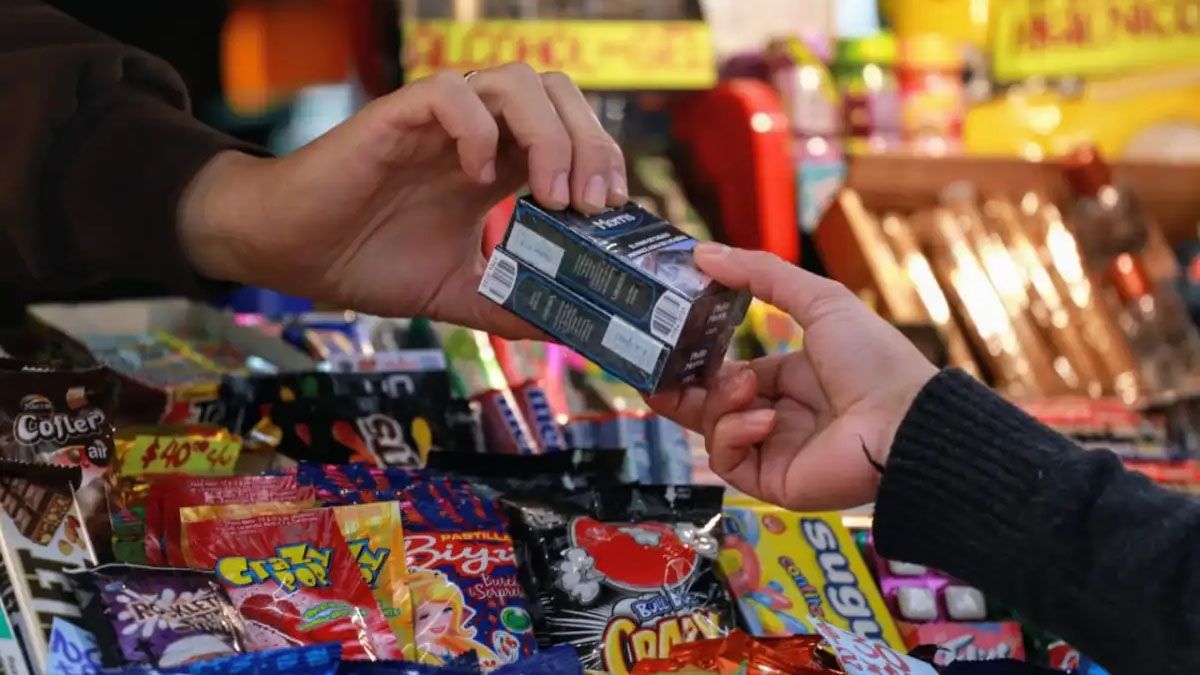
(624, 573)
(169, 494)
(786, 569)
(161, 617)
(375, 535)
(195, 514)
(294, 582)
(62, 417)
(41, 536)
(463, 576)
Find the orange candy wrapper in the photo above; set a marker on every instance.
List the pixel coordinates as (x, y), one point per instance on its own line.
(740, 654)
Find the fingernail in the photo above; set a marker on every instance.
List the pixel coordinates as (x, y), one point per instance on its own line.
(560, 191)
(760, 418)
(619, 189)
(594, 193)
(488, 173)
(712, 249)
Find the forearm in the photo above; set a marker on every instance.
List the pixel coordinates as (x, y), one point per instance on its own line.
(1099, 556)
(99, 148)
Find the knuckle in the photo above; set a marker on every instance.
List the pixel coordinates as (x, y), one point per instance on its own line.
(519, 72)
(446, 80)
(557, 79)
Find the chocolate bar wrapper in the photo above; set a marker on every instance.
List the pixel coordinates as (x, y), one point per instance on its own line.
(636, 266)
(547, 432)
(12, 658)
(41, 536)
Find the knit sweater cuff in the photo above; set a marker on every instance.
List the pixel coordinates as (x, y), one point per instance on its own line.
(962, 489)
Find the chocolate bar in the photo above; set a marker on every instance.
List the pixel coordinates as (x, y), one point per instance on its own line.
(41, 536)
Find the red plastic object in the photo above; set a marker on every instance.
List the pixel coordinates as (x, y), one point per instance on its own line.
(737, 164)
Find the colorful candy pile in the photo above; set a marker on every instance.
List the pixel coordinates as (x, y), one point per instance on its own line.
(500, 508)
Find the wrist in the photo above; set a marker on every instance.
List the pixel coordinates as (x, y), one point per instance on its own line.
(216, 212)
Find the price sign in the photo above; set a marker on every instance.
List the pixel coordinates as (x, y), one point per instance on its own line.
(600, 55)
(152, 454)
(1056, 38)
(861, 656)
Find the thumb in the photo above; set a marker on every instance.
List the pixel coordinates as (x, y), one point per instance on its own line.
(802, 294)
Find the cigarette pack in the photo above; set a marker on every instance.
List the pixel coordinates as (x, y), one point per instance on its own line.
(634, 265)
(620, 347)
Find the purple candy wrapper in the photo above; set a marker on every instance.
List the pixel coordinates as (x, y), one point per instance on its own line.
(165, 617)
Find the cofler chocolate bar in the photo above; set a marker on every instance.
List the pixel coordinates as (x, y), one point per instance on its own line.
(638, 269)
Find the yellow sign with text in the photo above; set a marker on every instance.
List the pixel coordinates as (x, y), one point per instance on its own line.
(599, 55)
(1056, 38)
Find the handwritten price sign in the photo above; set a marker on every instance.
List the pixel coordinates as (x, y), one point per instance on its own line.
(860, 656)
(602, 55)
(147, 455)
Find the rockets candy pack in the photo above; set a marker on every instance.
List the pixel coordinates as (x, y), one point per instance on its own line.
(294, 581)
(41, 536)
(160, 617)
(787, 569)
(621, 288)
(623, 574)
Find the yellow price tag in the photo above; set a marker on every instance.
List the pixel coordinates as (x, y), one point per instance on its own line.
(1054, 38)
(600, 55)
(150, 454)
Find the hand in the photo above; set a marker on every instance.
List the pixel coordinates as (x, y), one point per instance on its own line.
(793, 428)
(384, 212)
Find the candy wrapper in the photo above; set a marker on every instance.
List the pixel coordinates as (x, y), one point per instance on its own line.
(375, 536)
(169, 494)
(294, 581)
(861, 656)
(331, 482)
(321, 659)
(916, 593)
(41, 536)
(625, 573)
(466, 593)
(786, 568)
(963, 641)
(740, 654)
(62, 417)
(160, 617)
(389, 432)
(501, 474)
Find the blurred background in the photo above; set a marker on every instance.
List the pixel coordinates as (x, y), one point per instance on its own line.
(1011, 182)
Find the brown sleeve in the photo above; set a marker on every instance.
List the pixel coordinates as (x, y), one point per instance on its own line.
(98, 145)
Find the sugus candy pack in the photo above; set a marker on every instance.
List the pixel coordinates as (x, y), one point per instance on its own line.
(160, 617)
(623, 573)
(463, 577)
(294, 581)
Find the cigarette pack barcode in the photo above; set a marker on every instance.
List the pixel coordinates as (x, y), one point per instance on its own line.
(499, 278)
(666, 322)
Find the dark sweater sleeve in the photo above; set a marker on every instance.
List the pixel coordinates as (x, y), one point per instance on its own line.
(98, 147)
(1098, 555)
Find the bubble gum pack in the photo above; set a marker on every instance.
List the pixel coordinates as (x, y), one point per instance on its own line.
(786, 569)
(623, 573)
(918, 594)
(463, 577)
(294, 581)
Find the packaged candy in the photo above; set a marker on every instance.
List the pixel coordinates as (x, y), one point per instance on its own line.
(670, 452)
(739, 653)
(787, 569)
(320, 659)
(73, 651)
(389, 432)
(862, 656)
(466, 593)
(467, 664)
(535, 407)
(195, 449)
(294, 581)
(628, 430)
(623, 573)
(331, 481)
(505, 430)
(967, 641)
(171, 493)
(41, 536)
(62, 417)
(916, 593)
(161, 617)
(635, 272)
(375, 536)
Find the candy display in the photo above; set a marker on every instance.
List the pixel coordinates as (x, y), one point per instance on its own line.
(161, 617)
(624, 574)
(786, 570)
(621, 288)
(294, 581)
